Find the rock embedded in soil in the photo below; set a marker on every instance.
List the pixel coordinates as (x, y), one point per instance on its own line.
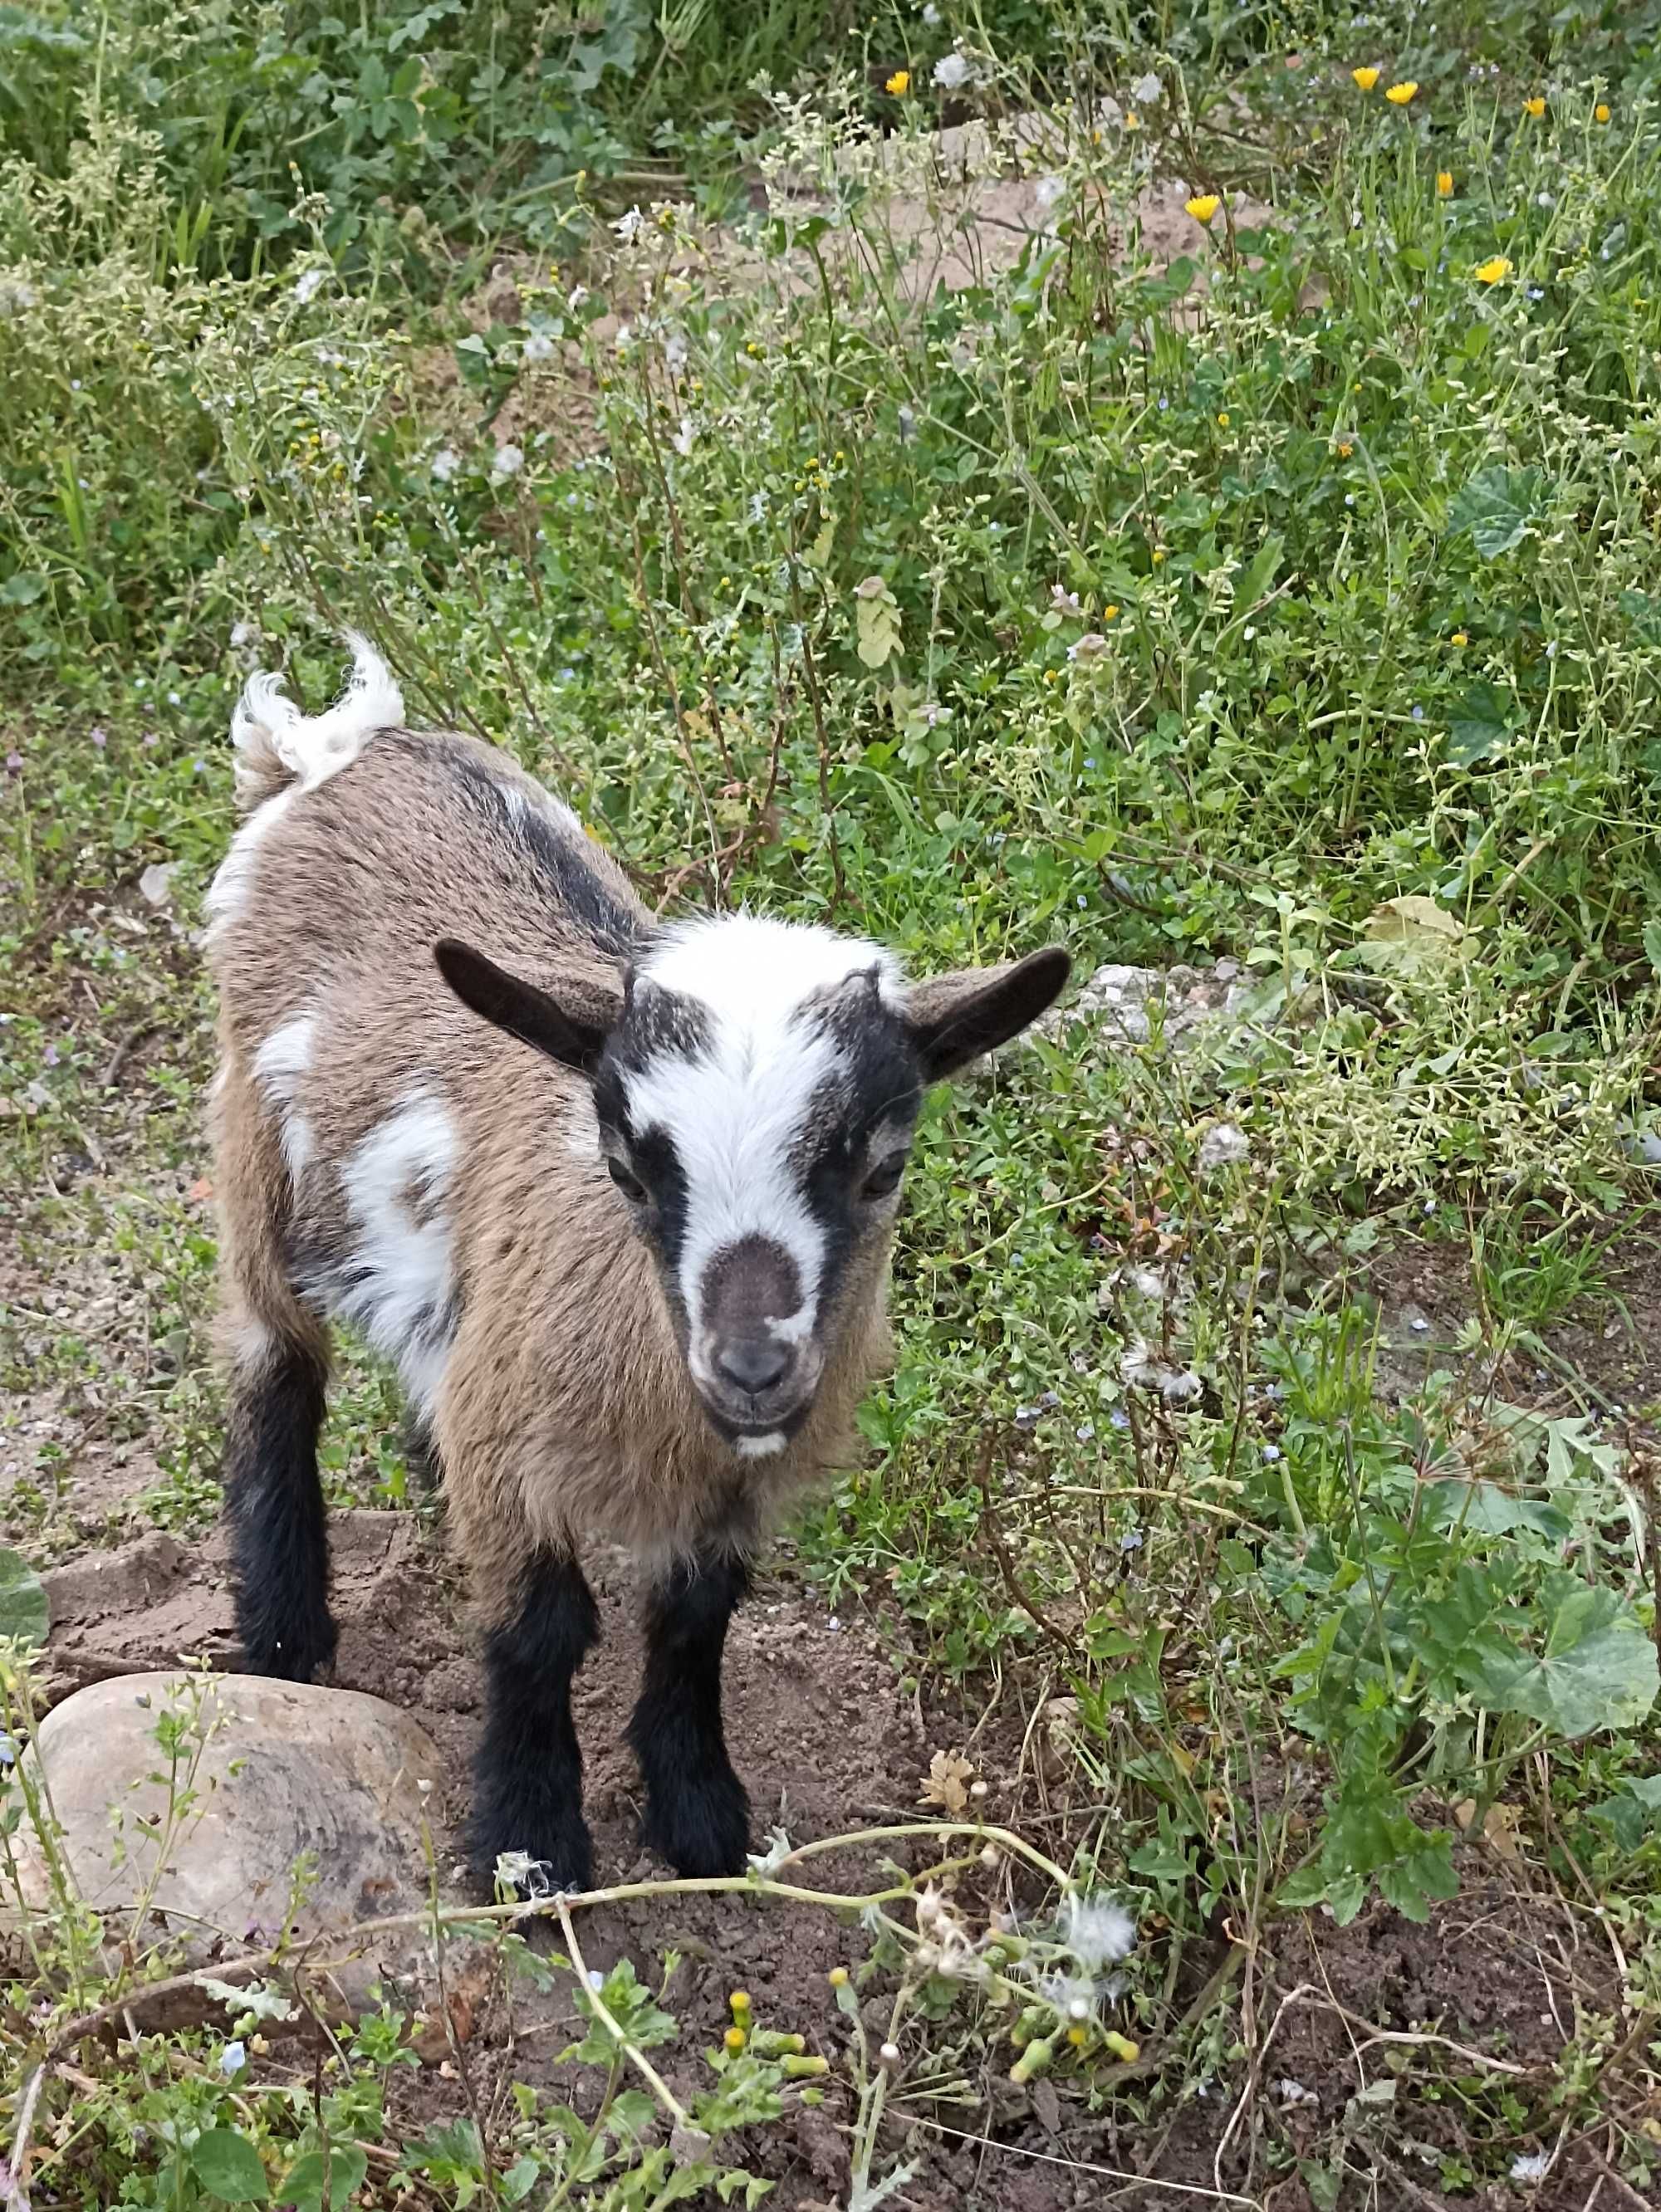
(189, 1801)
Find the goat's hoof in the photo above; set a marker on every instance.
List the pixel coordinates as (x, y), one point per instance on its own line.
(537, 1858)
(703, 1828)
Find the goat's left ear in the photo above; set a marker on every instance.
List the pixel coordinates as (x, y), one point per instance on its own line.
(571, 1028)
(955, 1019)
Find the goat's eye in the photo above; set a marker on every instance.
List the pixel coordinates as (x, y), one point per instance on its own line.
(631, 1186)
(884, 1181)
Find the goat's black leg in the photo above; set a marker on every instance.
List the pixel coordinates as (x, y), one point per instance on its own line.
(274, 1502)
(696, 1813)
(528, 1778)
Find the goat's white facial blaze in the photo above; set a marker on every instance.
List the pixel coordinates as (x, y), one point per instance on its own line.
(280, 1067)
(738, 1112)
(397, 1282)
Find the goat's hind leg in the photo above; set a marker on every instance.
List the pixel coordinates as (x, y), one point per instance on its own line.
(696, 1813)
(278, 1374)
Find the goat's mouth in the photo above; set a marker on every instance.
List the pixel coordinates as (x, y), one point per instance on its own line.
(753, 1434)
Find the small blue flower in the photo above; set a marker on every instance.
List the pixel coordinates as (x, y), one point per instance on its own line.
(233, 2058)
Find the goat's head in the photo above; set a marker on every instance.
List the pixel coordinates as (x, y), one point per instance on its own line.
(757, 1087)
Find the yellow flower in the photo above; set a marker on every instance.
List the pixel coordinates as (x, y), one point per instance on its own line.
(1202, 206)
(1493, 272)
(1601, 113)
(1345, 449)
(1159, 554)
(837, 1976)
(899, 85)
(1109, 613)
(1445, 184)
(1399, 95)
(1460, 637)
(1366, 78)
(734, 2039)
(1077, 2037)
(1536, 107)
(1133, 121)
(1222, 420)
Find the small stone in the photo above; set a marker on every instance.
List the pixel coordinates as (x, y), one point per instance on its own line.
(155, 885)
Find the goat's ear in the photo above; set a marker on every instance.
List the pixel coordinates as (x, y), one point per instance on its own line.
(955, 1019)
(571, 1028)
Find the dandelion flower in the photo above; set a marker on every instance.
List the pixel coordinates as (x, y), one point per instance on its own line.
(1366, 78)
(1204, 206)
(1460, 637)
(1399, 95)
(1345, 449)
(1492, 271)
(899, 85)
(1445, 184)
(1536, 107)
(1601, 113)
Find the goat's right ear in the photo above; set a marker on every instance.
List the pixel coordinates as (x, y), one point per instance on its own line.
(571, 1028)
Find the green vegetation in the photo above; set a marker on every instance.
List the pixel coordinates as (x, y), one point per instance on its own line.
(1284, 597)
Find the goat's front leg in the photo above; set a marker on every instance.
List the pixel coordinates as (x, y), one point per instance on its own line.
(527, 1778)
(696, 1813)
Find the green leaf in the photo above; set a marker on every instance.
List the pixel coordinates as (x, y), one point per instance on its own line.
(227, 2167)
(24, 1611)
(305, 2187)
(1479, 727)
(19, 589)
(876, 622)
(519, 2180)
(1598, 1669)
(1633, 1812)
(1652, 944)
(1497, 507)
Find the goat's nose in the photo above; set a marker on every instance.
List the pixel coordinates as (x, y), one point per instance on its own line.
(753, 1364)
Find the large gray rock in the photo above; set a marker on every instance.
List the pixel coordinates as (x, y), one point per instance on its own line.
(204, 1813)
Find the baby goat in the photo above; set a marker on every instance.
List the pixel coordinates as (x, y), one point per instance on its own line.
(632, 1278)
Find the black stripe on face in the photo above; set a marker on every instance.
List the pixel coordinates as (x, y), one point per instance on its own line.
(657, 1025)
(877, 1086)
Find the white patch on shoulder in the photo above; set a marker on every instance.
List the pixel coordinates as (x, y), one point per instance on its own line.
(280, 1067)
(396, 1284)
(313, 747)
(227, 894)
(767, 1447)
(737, 1114)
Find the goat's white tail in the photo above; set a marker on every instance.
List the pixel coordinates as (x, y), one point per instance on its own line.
(277, 745)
